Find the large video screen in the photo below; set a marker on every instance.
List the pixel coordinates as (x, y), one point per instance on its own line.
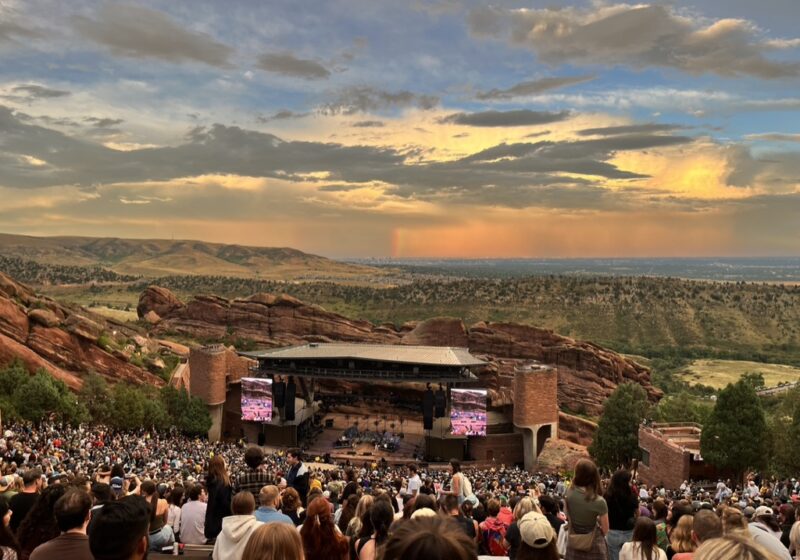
(468, 412)
(256, 399)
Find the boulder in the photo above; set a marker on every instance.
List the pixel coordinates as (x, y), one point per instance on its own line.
(152, 317)
(159, 300)
(44, 317)
(83, 327)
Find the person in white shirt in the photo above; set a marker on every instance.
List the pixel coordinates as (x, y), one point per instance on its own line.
(643, 493)
(414, 481)
(644, 543)
(193, 517)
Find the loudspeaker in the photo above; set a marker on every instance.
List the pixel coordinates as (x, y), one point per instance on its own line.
(278, 394)
(288, 410)
(440, 400)
(427, 410)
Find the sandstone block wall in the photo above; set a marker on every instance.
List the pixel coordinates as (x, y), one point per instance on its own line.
(208, 368)
(535, 397)
(504, 449)
(668, 463)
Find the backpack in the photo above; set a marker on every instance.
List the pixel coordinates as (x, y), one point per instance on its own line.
(494, 533)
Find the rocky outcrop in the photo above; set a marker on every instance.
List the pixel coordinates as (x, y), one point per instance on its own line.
(62, 340)
(588, 373)
(576, 429)
(159, 300)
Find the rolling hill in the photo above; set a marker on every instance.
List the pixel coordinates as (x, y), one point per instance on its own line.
(159, 257)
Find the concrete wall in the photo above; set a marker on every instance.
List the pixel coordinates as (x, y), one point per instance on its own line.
(535, 409)
(504, 449)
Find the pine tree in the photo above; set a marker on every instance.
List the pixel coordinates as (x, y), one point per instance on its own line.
(617, 439)
(735, 436)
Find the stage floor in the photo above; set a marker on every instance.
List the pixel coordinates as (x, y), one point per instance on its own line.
(409, 445)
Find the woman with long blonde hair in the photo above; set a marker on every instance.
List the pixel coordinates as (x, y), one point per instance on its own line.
(356, 523)
(274, 541)
(513, 538)
(733, 546)
(733, 521)
(680, 540)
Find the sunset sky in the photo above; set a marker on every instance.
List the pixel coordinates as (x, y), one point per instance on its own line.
(407, 128)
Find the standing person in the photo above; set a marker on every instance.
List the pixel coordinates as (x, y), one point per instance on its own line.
(435, 538)
(460, 485)
(513, 538)
(160, 533)
(193, 517)
(236, 528)
(587, 514)
(381, 515)
(297, 477)
(320, 539)
(218, 489)
(274, 541)
(623, 508)
(466, 523)
(290, 505)
(72, 514)
(644, 542)
(764, 529)
(680, 539)
(254, 477)
(40, 525)
(493, 531)
(9, 547)
(120, 530)
(537, 538)
(22, 502)
(351, 486)
(705, 526)
(269, 498)
(414, 482)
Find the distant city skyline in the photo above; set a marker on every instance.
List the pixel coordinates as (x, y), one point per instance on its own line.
(437, 129)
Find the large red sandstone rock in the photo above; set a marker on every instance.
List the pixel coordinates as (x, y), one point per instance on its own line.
(31, 330)
(576, 429)
(439, 331)
(157, 299)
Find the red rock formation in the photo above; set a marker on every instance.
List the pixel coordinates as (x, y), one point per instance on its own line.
(159, 300)
(62, 340)
(588, 373)
(576, 429)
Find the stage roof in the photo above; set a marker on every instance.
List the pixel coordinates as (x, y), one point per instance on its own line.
(423, 355)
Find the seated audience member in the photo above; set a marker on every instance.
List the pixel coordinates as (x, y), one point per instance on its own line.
(72, 511)
(493, 531)
(268, 511)
(321, 539)
(236, 528)
(291, 506)
(175, 501)
(733, 546)
(644, 543)
(161, 535)
(22, 502)
(9, 547)
(436, 538)
(537, 538)
(467, 524)
(193, 517)
(513, 537)
(40, 525)
(680, 539)
(120, 530)
(274, 541)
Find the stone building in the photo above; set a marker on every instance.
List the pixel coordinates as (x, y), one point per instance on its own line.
(671, 454)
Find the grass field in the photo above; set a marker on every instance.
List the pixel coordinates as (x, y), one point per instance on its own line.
(118, 314)
(718, 373)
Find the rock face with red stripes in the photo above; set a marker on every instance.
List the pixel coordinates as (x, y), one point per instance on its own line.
(61, 339)
(587, 373)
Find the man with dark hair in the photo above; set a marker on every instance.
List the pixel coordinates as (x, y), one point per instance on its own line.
(72, 514)
(22, 503)
(297, 477)
(466, 524)
(120, 530)
(414, 481)
(193, 516)
(254, 478)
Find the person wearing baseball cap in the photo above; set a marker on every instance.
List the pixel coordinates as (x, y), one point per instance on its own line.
(766, 531)
(538, 538)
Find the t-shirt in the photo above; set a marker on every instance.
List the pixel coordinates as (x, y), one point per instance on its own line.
(583, 514)
(20, 505)
(621, 513)
(414, 484)
(67, 546)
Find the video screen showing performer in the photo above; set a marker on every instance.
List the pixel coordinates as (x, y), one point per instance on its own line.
(256, 399)
(468, 412)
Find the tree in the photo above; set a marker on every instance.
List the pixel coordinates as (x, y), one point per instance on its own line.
(681, 407)
(96, 397)
(195, 419)
(129, 407)
(617, 439)
(735, 436)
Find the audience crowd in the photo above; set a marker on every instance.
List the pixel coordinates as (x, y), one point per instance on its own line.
(91, 493)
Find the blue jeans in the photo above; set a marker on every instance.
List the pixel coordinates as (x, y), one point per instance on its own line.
(162, 538)
(615, 540)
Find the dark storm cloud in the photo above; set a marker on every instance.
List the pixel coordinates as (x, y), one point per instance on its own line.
(629, 129)
(638, 36)
(368, 124)
(369, 99)
(35, 91)
(140, 32)
(282, 115)
(507, 174)
(520, 117)
(533, 87)
(288, 64)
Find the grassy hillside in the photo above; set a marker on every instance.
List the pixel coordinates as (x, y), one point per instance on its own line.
(718, 373)
(159, 257)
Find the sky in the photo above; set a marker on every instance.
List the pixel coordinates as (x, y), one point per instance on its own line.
(377, 128)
